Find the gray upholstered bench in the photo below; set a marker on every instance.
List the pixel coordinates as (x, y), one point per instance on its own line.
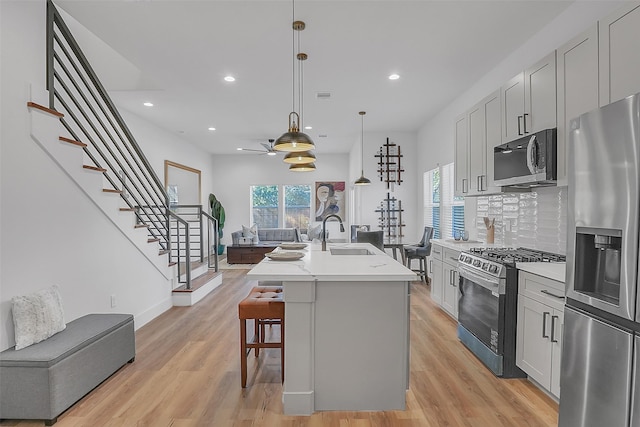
(43, 380)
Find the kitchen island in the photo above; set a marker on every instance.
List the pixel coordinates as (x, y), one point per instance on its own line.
(346, 328)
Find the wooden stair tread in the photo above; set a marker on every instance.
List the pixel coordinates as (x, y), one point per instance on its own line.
(141, 226)
(199, 281)
(153, 240)
(172, 263)
(45, 109)
(127, 209)
(72, 141)
(94, 168)
(111, 190)
(163, 252)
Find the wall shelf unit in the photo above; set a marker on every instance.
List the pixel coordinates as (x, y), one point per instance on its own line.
(389, 164)
(390, 220)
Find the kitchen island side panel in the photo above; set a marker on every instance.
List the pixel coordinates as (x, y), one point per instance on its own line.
(361, 345)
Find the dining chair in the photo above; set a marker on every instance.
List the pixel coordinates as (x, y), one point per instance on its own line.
(420, 252)
(355, 228)
(376, 238)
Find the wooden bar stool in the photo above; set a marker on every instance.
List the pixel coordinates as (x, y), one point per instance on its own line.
(265, 306)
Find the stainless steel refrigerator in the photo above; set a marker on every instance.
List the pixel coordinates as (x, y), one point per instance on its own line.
(599, 383)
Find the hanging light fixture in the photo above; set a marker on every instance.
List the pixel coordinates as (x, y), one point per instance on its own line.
(300, 157)
(293, 140)
(362, 180)
(302, 167)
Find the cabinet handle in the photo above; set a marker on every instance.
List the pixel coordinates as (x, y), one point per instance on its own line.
(478, 183)
(546, 292)
(464, 181)
(524, 122)
(455, 274)
(519, 125)
(553, 328)
(544, 324)
(430, 266)
(450, 279)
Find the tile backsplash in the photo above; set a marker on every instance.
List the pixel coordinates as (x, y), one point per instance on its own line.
(535, 220)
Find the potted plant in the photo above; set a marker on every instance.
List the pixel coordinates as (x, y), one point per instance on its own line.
(217, 211)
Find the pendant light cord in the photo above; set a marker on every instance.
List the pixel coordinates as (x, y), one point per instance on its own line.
(362, 146)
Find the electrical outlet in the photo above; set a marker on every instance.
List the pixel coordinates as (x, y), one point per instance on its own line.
(113, 301)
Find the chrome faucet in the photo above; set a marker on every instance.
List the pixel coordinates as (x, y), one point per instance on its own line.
(324, 225)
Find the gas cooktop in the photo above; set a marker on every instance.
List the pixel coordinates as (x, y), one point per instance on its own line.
(513, 255)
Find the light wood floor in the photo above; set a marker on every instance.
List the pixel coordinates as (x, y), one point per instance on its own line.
(186, 373)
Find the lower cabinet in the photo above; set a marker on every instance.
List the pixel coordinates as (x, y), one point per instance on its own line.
(443, 270)
(539, 333)
(435, 273)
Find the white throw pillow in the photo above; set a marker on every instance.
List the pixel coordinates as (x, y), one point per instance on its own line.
(251, 232)
(37, 316)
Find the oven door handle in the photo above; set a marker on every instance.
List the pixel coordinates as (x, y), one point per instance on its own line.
(491, 285)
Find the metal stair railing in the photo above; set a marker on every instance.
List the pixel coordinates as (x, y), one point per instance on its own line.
(91, 117)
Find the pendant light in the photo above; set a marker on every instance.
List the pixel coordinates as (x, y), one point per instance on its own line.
(300, 157)
(302, 167)
(293, 140)
(362, 180)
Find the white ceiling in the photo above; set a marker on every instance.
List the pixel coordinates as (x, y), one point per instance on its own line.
(175, 54)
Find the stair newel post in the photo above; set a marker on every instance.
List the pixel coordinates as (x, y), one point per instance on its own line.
(187, 245)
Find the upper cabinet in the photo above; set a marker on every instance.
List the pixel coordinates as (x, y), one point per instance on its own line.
(477, 132)
(461, 150)
(529, 100)
(577, 87)
(620, 54)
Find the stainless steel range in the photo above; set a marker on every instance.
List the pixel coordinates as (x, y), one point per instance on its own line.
(488, 305)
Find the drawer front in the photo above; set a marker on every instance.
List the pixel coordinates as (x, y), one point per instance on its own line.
(437, 252)
(541, 289)
(451, 256)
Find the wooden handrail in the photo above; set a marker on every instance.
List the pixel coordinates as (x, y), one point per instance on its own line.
(45, 109)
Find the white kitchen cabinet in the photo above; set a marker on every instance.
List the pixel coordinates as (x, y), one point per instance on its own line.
(474, 149)
(529, 100)
(620, 54)
(451, 291)
(461, 147)
(577, 77)
(539, 329)
(435, 273)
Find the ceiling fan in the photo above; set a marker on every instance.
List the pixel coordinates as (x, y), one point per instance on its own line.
(268, 148)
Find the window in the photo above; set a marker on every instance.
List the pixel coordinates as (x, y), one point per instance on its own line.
(442, 210)
(264, 206)
(274, 206)
(297, 206)
(432, 200)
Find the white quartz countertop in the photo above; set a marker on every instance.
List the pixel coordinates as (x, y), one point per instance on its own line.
(461, 245)
(319, 265)
(550, 270)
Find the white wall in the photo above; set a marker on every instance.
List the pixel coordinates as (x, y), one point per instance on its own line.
(436, 138)
(50, 232)
(235, 173)
(368, 197)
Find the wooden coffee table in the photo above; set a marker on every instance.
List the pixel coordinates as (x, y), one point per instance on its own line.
(249, 254)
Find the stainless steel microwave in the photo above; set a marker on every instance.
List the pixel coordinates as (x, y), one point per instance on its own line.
(526, 162)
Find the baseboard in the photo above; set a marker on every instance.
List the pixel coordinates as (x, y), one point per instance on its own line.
(153, 312)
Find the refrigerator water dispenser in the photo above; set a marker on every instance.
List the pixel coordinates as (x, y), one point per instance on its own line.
(598, 255)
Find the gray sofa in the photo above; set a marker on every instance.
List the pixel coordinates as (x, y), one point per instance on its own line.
(270, 235)
(43, 380)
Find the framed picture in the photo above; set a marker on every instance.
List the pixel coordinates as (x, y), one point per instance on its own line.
(330, 197)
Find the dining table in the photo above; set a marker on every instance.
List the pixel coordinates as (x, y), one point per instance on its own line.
(395, 243)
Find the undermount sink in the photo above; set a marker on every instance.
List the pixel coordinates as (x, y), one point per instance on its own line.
(350, 251)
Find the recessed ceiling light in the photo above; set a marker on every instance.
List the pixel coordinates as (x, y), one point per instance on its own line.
(271, 153)
(148, 104)
(212, 128)
(239, 149)
(229, 79)
(394, 77)
(308, 127)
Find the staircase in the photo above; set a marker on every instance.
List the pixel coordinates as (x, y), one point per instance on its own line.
(68, 154)
(84, 134)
